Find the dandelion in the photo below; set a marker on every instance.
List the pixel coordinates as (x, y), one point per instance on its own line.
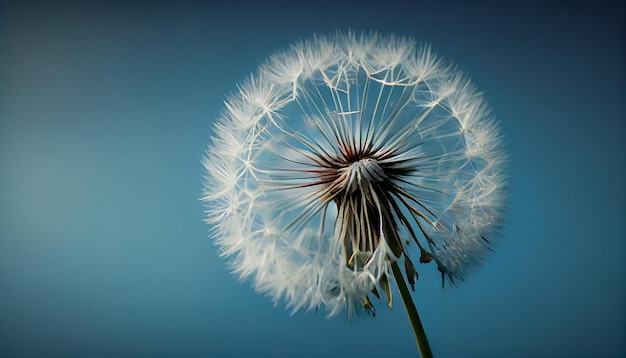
(345, 157)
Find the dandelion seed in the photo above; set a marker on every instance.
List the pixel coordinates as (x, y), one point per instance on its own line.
(344, 155)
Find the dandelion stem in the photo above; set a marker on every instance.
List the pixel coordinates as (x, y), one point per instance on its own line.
(416, 323)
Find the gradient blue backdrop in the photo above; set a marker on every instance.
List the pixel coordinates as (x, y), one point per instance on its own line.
(106, 109)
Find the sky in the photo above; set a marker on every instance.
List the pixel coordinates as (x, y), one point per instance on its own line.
(106, 109)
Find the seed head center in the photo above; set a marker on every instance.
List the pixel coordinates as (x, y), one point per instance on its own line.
(361, 174)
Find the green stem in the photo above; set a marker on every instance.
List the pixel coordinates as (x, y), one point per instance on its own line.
(416, 323)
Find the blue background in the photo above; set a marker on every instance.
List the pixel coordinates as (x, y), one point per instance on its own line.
(106, 109)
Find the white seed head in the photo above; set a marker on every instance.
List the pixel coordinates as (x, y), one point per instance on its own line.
(338, 155)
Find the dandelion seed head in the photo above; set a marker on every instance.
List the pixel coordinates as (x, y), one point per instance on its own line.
(345, 153)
